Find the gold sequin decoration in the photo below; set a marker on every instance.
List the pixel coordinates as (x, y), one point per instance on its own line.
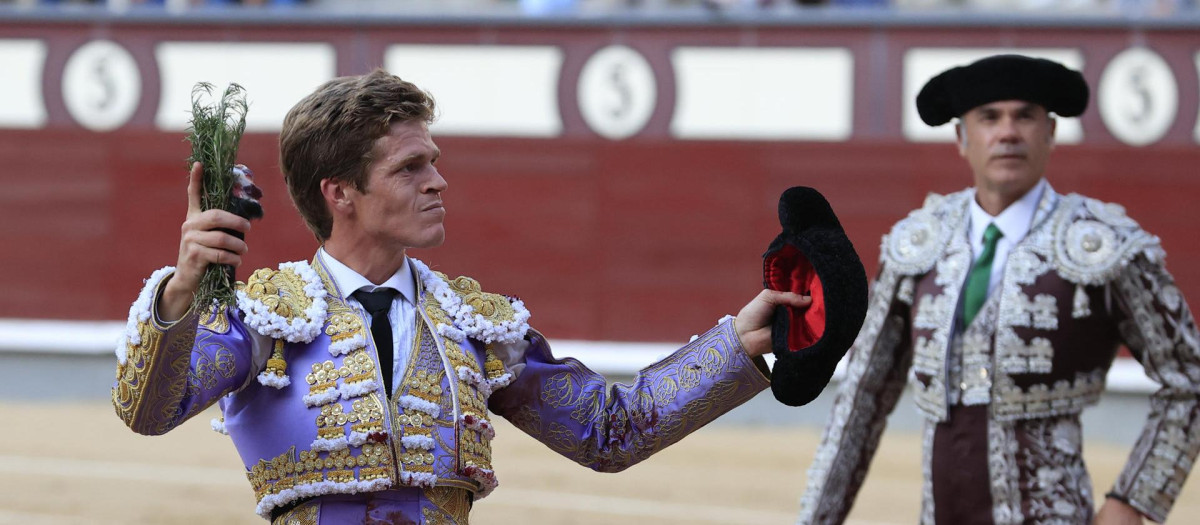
(280, 290)
(290, 469)
(323, 377)
(343, 325)
(356, 367)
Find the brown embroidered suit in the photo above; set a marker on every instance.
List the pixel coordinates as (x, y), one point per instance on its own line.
(1002, 396)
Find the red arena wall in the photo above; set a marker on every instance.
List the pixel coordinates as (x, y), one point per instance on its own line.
(648, 228)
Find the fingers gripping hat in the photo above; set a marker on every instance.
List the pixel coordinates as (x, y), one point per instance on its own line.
(1002, 77)
(812, 256)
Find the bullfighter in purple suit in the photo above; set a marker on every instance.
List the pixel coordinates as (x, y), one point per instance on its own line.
(357, 386)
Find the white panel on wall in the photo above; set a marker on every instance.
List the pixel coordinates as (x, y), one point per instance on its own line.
(275, 75)
(763, 93)
(485, 90)
(21, 102)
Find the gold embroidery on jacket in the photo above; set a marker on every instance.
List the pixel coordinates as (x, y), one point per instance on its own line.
(306, 514)
(451, 506)
(132, 395)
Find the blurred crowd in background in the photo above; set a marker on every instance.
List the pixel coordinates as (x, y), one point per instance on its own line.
(1150, 8)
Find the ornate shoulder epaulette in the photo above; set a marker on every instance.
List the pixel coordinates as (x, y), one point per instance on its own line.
(483, 316)
(286, 305)
(1094, 240)
(917, 241)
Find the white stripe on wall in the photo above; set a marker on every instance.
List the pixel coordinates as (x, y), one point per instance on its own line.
(276, 76)
(485, 90)
(763, 93)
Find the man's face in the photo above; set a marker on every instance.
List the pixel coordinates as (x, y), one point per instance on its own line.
(401, 204)
(1007, 144)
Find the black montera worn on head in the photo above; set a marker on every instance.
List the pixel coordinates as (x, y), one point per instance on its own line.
(1044, 82)
(812, 256)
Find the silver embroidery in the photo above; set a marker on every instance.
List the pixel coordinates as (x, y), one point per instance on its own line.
(1090, 243)
(1040, 400)
(1109, 213)
(1023, 266)
(927, 503)
(916, 242)
(1080, 304)
(1060, 491)
(1088, 247)
(1166, 338)
(905, 292)
(845, 446)
(932, 311)
(1013, 354)
(1003, 473)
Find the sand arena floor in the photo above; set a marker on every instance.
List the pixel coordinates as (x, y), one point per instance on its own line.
(75, 463)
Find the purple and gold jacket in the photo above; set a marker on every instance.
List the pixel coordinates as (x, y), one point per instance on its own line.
(315, 420)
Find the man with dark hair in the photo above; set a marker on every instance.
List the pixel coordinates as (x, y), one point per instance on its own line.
(357, 387)
(1003, 306)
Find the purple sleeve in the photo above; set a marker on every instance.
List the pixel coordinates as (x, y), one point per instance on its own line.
(167, 373)
(571, 409)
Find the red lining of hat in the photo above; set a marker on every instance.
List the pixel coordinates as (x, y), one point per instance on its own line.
(788, 270)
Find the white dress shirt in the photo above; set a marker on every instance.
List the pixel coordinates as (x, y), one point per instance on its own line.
(1014, 223)
(402, 314)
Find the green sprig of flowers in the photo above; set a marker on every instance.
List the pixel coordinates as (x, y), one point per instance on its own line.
(214, 132)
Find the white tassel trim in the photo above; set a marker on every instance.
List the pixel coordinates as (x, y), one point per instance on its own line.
(336, 443)
(486, 479)
(466, 321)
(475, 379)
(359, 388)
(357, 438)
(417, 442)
(300, 329)
(451, 333)
(479, 424)
(500, 382)
(323, 397)
(218, 425)
(485, 386)
(346, 346)
(266, 378)
(416, 403)
(139, 312)
(418, 479)
(320, 488)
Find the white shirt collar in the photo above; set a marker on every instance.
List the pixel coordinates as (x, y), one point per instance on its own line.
(1014, 222)
(349, 281)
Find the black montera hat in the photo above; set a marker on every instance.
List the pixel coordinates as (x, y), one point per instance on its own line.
(812, 257)
(1002, 77)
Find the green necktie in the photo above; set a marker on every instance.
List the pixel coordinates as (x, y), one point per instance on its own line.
(981, 274)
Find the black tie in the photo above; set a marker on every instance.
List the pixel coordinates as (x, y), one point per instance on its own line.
(378, 303)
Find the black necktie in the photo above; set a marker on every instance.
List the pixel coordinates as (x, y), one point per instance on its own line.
(378, 303)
